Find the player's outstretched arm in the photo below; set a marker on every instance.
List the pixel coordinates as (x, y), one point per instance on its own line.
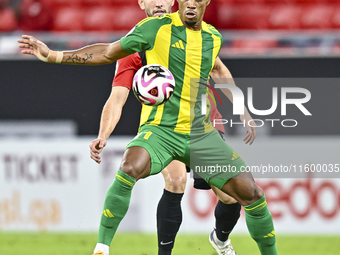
(221, 71)
(96, 54)
(111, 114)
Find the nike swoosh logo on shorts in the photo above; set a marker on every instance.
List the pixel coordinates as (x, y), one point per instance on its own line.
(226, 232)
(166, 243)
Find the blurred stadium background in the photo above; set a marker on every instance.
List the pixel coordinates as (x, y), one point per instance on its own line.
(50, 113)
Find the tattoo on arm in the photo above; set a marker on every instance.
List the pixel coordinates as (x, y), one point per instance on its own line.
(74, 58)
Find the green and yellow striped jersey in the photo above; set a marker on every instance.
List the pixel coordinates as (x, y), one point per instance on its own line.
(190, 56)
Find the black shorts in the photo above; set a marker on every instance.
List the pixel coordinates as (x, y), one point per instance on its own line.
(199, 182)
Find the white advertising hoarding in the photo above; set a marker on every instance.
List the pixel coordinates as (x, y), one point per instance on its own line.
(51, 184)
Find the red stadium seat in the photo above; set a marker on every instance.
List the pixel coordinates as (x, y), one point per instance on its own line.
(35, 16)
(63, 3)
(126, 17)
(222, 2)
(99, 19)
(248, 1)
(317, 17)
(226, 16)
(288, 2)
(308, 2)
(98, 2)
(8, 21)
(251, 16)
(336, 17)
(125, 2)
(285, 17)
(69, 19)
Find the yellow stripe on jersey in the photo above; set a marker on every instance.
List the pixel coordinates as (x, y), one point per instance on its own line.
(208, 127)
(176, 20)
(160, 52)
(190, 91)
(158, 116)
(146, 111)
(161, 48)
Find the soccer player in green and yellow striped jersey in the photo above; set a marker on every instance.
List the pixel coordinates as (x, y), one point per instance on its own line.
(165, 41)
(175, 130)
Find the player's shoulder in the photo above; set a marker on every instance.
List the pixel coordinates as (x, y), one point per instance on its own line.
(155, 21)
(210, 29)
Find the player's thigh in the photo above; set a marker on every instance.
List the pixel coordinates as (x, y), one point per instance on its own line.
(223, 197)
(213, 159)
(175, 176)
(161, 144)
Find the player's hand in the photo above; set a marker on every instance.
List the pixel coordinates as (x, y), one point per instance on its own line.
(32, 46)
(251, 128)
(96, 147)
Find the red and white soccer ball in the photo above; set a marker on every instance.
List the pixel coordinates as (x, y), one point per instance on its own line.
(153, 84)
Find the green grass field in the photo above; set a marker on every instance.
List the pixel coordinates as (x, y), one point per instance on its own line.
(142, 244)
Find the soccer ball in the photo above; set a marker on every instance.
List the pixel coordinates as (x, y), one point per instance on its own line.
(153, 84)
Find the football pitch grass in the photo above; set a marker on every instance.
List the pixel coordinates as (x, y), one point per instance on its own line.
(47, 243)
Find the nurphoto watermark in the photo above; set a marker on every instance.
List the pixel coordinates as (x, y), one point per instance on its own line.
(239, 105)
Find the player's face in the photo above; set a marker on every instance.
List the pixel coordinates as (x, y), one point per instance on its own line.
(154, 8)
(192, 12)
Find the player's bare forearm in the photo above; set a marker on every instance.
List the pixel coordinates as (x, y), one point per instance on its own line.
(112, 111)
(109, 119)
(89, 55)
(220, 71)
(96, 54)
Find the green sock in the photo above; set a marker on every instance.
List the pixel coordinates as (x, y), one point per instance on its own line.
(261, 227)
(116, 204)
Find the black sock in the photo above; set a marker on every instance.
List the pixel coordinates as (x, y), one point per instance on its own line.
(169, 219)
(226, 216)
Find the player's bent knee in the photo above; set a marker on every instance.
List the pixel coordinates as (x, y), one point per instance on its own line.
(132, 170)
(244, 190)
(128, 168)
(227, 200)
(223, 197)
(252, 193)
(176, 185)
(136, 162)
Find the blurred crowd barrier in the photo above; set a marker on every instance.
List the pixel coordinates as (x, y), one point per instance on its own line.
(288, 44)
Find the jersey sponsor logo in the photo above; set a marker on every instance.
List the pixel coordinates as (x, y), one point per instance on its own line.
(162, 243)
(271, 234)
(108, 214)
(178, 45)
